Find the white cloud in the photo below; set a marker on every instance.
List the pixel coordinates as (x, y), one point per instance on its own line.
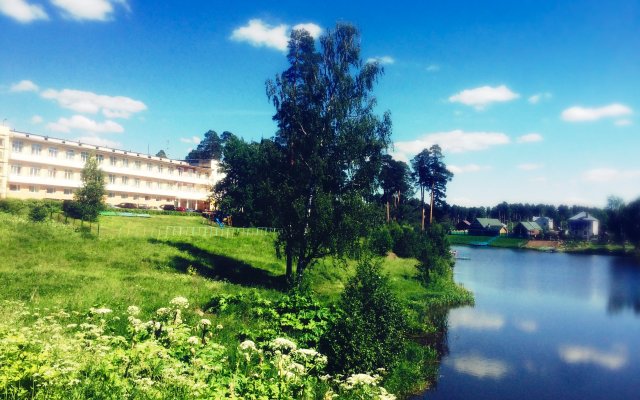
(530, 138)
(313, 29)
(462, 169)
(526, 325)
(582, 114)
(483, 96)
(24, 86)
(479, 366)
(82, 123)
(623, 122)
(611, 360)
(383, 60)
(36, 119)
(92, 103)
(606, 175)
(433, 68)
(529, 166)
(456, 141)
(536, 98)
(191, 140)
(258, 34)
(98, 141)
(22, 11)
(92, 10)
(475, 320)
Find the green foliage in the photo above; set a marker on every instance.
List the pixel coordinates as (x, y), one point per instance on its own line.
(435, 261)
(330, 146)
(90, 197)
(631, 224)
(172, 355)
(368, 333)
(161, 154)
(39, 213)
(406, 240)
(431, 174)
(209, 148)
(24, 207)
(381, 241)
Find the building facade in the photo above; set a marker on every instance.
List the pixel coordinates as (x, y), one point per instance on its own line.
(41, 167)
(583, 226)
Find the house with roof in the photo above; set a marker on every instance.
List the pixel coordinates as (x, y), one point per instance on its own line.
(527, 229)
(463, 225)
(487, 227)
(583, 226)
(545, 223)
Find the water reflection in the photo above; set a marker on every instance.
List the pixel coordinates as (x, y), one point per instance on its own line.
(477, 320)
(526, 325)
(613, 359)
(624, 287)
(479, 366)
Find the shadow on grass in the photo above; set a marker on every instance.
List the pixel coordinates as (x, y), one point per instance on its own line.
(220, 267)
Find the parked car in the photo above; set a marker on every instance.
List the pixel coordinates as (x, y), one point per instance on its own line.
(169, 207)
(144, 207)
(181, 209)
(127, 205)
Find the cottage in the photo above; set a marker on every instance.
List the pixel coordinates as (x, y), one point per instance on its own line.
(583, 226)
(487, 227)
(545, 223)
(463, 225)
(526, 229)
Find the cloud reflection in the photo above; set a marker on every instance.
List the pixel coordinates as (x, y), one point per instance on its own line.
(526, 325)
(612, 360)
(479, 366)
(475, 320)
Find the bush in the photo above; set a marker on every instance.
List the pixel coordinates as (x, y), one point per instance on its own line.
(406, 240)
(380, 241)
(435, 260)
(39, 213)
(368, 333)
(71, 208)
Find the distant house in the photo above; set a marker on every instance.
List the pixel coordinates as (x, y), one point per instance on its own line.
(463, 225)
(545, 223)
(583, 226)
(487, 227)
(526, 229)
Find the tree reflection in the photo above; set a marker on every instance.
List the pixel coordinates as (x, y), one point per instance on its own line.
(624, 287)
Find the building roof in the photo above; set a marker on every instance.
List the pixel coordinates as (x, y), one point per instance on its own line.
(530, 226)
(490, 222)
(583, 216)
(542, 219)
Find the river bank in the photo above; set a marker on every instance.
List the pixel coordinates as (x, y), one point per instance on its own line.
(573, 247)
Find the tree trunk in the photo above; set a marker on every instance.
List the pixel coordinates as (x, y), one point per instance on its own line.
(431, 208)
(422, 201)
(388, 215)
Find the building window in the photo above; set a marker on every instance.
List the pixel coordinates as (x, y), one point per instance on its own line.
(112, 178)
(125, 163)
(16, 169)
(137, 182)
(170, 170)
(53, 152)
(149, 184)
(68, 191)
(147, 198)
(112, 195)
(135, 197)
(138, 165)
(149, 167)
(36, 149)
(179, 171)
(17, 147)
(50, 190)
(125, 180)
(84, 156)
(52, 173)
(160, 168)
(113, 161)
(70, 155)
(14, 188)
(68, 174)
(1, 142)
(124, 196)
(34, 171)
(33, 189)
(100, 158)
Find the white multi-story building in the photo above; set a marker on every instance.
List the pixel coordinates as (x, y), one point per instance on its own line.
(41, 167)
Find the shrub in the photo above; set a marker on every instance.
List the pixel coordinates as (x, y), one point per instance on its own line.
(39, 213)
(406, 240)
(368, 333)
(380, 241)
(71, 208)
(435, 260)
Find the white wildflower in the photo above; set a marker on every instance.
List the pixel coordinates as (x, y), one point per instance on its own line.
(72, 326)
(205, 323)
(100, 311)
(283, 344)
(219, 327)
(163, 311)
(361, 379)
(179, 302)
(133, 310)
(248, 345)
(193, 340)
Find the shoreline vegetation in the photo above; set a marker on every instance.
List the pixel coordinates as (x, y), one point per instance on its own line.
(570, 247)
(60, 280)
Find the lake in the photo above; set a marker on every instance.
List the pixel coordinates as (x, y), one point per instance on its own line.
(544, 326)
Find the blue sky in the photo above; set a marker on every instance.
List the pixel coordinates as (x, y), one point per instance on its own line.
(532, 101)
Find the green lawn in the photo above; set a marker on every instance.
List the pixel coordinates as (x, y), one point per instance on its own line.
(501, 241)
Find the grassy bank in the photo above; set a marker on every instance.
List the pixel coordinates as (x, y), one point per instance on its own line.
(502, 241)
(147, 262)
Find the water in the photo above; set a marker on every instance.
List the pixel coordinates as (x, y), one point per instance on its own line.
(545, 326)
